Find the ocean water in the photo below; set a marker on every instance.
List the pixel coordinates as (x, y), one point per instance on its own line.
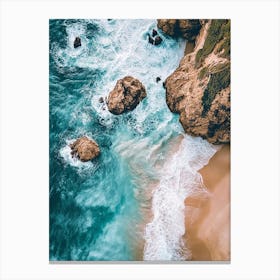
(128, 204)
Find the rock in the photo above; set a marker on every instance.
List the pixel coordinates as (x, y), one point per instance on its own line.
(85, 149)
(126, 95)
(158, 40)
(151, 40)
(189, 47)
(154, 33)
(77, 42)
(189, 28)
(185, 28)
(158, 79)
(167, 26)
(155, 41)
(199, 89)
(101, 100)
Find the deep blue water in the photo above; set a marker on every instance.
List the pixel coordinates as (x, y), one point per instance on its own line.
(97, 209)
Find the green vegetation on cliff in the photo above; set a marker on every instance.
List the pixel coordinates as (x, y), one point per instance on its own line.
(202, 73)
(218, 30)
(225, 30)
(218, 82)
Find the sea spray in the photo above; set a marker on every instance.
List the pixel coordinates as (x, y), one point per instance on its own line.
(179, 178)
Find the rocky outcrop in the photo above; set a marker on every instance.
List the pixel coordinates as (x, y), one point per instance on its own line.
(85, 149)
(199, 89)
(155, 39)
(126, 95)
(185, 28)
(168, 26)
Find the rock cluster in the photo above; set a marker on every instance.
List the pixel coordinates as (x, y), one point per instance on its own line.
(199, 89)
(126, 95)
(85, 149)
(155, 39)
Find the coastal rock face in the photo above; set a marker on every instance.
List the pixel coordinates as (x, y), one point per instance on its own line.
(185, 28)
(199, 89)
(85, 149)
(126, 95)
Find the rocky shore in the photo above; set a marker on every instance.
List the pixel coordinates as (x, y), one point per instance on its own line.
(199, 89)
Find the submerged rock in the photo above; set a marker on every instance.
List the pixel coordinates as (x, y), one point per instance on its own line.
(126, 95)
(158, 79)
(85, 149)
(77, 42)
(199, 89)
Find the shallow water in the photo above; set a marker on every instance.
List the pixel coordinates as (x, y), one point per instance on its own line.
(98, 209)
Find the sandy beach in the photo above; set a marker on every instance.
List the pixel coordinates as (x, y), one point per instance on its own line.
(208, 215)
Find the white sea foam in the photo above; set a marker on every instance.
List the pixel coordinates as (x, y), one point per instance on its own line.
(178, 179)
(129, 53)
(118, 49)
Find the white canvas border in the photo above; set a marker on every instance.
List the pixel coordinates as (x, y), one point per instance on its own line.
(255, 138)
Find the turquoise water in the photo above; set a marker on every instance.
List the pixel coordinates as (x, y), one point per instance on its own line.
(101, 210)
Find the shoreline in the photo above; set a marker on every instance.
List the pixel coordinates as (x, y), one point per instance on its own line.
(207, 218)
(195, 205)
(146, 206)
(207, 213)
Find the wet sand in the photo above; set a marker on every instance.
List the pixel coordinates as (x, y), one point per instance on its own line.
(208, 215)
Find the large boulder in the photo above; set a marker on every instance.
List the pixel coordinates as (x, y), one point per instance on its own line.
(85, 149)
(185, 28)
(126, 95)
(199, 89)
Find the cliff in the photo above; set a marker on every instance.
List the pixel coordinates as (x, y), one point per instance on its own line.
(199, 89)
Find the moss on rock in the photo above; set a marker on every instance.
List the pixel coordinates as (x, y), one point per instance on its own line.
(218, 82)
(202, 73)
(218, 30)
